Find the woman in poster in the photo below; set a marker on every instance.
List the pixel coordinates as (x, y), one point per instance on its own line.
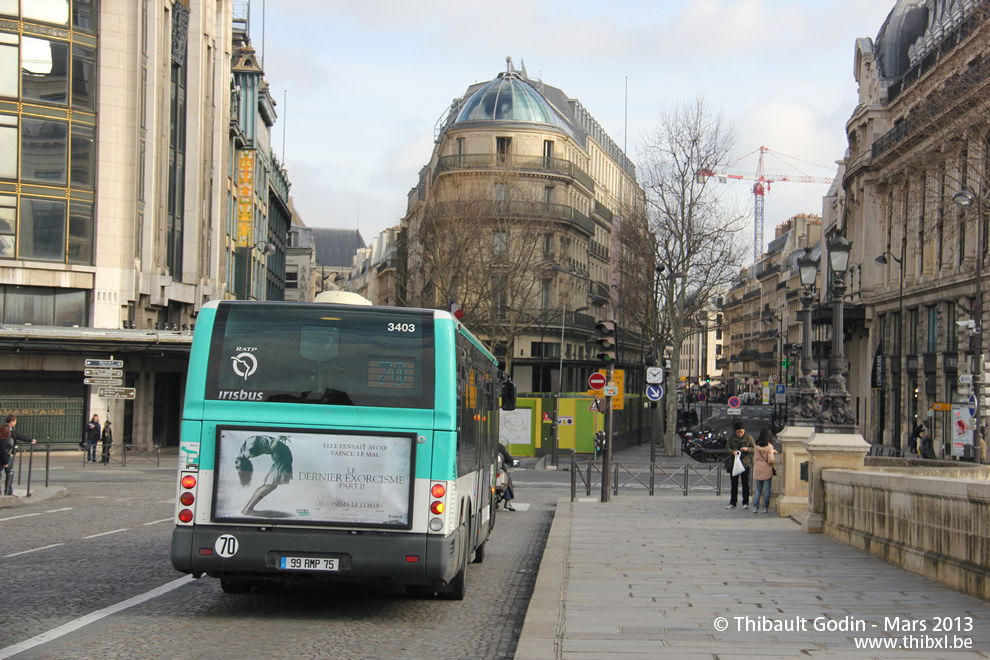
(279, 474)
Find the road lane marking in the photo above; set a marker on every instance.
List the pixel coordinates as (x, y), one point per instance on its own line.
(23, 515)
(107, 533)
(28, 515)
(81, 622)
(155, 522)
(24, 552)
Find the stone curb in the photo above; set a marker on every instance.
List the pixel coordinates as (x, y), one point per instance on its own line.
(50, 493)
(539, 639)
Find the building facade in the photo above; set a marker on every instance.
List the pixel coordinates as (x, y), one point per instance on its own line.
(917, 139)
(524, 218)
(118, 190)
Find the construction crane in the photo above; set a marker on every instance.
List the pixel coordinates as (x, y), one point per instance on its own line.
(760, 189)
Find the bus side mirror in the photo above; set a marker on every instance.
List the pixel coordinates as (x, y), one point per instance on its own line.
(508, 395)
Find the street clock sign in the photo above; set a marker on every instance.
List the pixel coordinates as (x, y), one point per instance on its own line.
(654, 375)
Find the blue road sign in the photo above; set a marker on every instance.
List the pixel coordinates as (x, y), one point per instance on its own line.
(972, 405)
(654, 392)
(781, 389)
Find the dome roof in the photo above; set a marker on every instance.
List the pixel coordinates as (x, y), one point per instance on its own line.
(905, 23)
(509, 98)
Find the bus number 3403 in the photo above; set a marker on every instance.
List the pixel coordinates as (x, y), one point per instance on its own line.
(402, 327)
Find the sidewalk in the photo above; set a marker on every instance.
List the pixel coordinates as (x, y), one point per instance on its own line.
(642, 577)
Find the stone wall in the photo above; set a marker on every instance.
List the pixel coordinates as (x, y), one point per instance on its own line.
(937, 526)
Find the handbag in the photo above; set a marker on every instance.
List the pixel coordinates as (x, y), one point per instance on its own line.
(774, 471)
(728, 463)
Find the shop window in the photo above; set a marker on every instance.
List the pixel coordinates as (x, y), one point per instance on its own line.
(10, 70)
(47, 11)
(80, 233)
(8, 146)
(83, 78)
(42, 229)
(44, 150)
(44, 70)
(83, 156)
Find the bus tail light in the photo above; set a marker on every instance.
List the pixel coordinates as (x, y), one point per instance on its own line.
(440, 492)
(187, 497)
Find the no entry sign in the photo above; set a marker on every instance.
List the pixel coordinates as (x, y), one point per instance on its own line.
(597, 381)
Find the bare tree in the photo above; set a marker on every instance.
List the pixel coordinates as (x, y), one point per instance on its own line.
(480, 244)
(694, 233)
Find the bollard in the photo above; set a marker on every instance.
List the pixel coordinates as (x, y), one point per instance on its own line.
(587, 483)
(30, 466)
(686, 481)
(48, 460)
(653, 476)
(615, 480)
(573, 477)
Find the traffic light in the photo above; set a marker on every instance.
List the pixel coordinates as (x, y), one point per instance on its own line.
(606, 341)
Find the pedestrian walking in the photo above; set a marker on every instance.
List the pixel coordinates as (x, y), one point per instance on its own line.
(507, 463)
(106, 440)
(742, 444)
(7, 458)
(763, 470)
(916, 435)
(92, 432)
(16, 439)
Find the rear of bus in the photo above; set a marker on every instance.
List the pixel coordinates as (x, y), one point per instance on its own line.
(318, 441)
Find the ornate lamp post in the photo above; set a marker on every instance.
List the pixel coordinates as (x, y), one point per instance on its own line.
(965, 198)
(806, 409)
(882, 260)
(837, 415)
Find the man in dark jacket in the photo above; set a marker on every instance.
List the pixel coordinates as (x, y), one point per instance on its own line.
(7, 457)
(92, 432)
(15, 441)
(743, 444)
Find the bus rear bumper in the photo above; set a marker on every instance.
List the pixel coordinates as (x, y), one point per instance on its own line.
(362, 556)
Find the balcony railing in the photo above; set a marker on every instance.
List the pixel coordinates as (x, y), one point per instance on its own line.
(542, 164)
(518, 209)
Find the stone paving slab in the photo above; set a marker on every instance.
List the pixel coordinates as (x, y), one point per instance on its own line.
(643, 577)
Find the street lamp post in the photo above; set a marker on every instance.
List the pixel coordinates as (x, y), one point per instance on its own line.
(769, 319)
(837, 415)
(882, 259)
(806, 409)
(555, 424)
(965, 198)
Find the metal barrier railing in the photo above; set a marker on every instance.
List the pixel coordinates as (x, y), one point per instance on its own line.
(30, 468)
(703, 477)
(153, 455)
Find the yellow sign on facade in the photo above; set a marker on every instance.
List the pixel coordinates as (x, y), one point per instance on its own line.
(942, 406)
(245, 196)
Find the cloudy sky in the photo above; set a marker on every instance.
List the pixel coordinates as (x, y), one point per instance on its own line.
(361, 86)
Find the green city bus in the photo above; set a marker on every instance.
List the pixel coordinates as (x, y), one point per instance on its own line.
(333, 442)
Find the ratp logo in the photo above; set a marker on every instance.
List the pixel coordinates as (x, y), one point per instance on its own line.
(244, 364)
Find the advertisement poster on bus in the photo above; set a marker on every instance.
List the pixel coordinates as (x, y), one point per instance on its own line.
(962, 429)
(293, 476)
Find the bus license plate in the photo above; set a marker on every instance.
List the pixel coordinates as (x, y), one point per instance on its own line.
(308, 564)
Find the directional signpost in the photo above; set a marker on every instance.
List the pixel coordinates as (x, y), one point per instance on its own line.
(116, 392)
(654, 392)
(104, 364)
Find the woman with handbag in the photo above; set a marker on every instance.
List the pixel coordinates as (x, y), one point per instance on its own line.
(763, 469)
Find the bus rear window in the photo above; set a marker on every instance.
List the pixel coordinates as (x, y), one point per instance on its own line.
(322, 354)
